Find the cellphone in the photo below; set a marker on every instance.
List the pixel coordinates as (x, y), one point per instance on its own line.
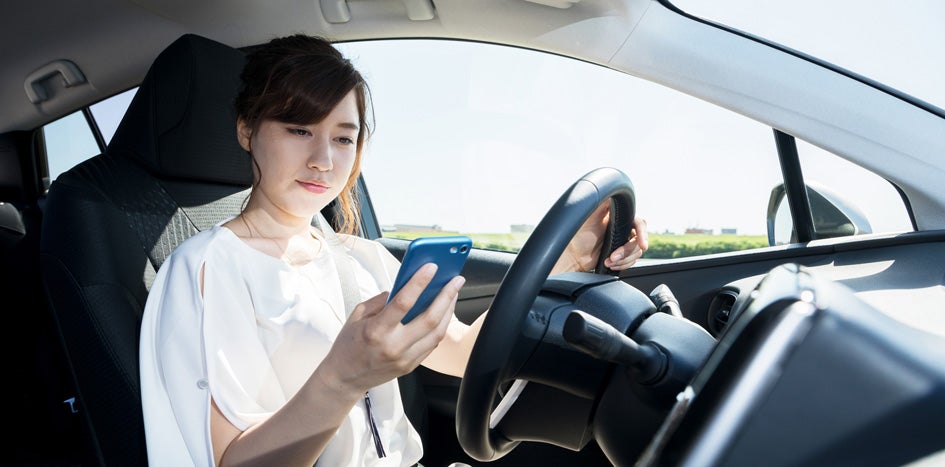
(449, 254)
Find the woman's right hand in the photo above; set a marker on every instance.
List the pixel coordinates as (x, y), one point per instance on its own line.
(373, 346)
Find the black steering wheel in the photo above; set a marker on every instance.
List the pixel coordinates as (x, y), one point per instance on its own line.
(489, 364)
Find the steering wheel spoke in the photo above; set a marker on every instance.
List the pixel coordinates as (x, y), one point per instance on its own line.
(508, 399)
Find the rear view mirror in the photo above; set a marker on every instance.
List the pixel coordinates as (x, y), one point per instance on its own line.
(833, 216)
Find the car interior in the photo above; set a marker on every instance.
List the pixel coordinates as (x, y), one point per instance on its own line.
(824, 350)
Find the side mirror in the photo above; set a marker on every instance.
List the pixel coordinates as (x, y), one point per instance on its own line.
(833, 216)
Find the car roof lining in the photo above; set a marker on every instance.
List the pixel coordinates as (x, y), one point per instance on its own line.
(95, 36)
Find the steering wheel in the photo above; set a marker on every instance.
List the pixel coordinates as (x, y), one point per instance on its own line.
(490, 363)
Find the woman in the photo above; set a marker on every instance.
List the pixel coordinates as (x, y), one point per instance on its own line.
(290, 374)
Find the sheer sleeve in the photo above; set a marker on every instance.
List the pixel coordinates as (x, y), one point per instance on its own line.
(174, 389)
(194, 344)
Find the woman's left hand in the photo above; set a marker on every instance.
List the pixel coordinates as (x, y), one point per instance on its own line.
(627, 254)
(583, 251)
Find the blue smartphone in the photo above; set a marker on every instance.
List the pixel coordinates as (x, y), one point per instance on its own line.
(449, 253)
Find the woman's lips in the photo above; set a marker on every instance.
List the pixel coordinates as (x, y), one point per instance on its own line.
(314, 187)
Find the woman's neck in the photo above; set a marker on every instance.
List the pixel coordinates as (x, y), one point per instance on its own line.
(261, 224)
(292, 242)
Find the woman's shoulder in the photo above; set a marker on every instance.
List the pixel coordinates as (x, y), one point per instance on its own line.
(201, 243)
(203, 239)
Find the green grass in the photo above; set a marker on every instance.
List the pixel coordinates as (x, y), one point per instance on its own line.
(661, 245)
(680, 246)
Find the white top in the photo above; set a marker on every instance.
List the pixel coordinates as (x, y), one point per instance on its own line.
(258, 331)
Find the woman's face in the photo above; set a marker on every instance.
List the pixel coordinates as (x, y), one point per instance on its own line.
(303, 167)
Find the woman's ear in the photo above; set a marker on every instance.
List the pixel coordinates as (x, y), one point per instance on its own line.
(244, 133)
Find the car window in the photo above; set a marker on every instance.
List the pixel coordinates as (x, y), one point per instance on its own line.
(481, 140)
(108, 113)
(844, 199)
(71, 139)
(875, 198)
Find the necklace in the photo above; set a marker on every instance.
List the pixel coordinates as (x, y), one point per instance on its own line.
(283, 253)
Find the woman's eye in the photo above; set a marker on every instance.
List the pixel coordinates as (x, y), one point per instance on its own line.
(299, 131)
(345, 140)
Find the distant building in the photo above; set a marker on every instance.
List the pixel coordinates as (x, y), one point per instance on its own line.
(522, 228)
(729, 231)
(696, 230)
(417, 228)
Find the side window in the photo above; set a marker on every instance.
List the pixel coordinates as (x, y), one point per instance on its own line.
(490, 136)
(844, 198)
(71, 139)
(108, 113)
(874, 198)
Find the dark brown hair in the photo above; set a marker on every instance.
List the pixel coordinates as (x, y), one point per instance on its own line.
(300, 79)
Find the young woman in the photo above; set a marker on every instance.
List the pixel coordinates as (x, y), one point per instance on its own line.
(249, 353)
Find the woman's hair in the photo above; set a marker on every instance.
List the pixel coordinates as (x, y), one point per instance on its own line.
(300, 79)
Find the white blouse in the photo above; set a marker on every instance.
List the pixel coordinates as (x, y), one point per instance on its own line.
(251, 340)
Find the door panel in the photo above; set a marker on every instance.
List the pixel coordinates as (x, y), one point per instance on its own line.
(886, 272)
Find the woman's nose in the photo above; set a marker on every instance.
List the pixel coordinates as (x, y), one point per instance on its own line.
(320, 156)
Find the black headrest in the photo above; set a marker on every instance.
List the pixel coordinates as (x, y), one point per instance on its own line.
(181, 123)
(12, 228)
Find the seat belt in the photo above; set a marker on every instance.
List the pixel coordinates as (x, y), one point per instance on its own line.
(352, 296)
(349, 285)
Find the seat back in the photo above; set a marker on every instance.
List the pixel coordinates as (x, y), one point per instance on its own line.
(173, 168)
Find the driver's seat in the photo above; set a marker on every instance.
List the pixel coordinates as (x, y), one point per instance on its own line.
(173, 168)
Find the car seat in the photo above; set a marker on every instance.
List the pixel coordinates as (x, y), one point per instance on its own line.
(173, 168)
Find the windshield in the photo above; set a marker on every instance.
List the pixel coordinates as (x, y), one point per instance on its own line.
(899, 44)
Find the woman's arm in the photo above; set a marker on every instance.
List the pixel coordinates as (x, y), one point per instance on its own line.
(296, 434)
(581, 254)
(451, 355)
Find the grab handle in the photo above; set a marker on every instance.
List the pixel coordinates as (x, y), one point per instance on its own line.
(71, 76)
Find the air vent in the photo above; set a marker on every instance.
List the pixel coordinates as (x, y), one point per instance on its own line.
(720, 310)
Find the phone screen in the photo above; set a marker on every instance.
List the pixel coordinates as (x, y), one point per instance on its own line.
(449, 253)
